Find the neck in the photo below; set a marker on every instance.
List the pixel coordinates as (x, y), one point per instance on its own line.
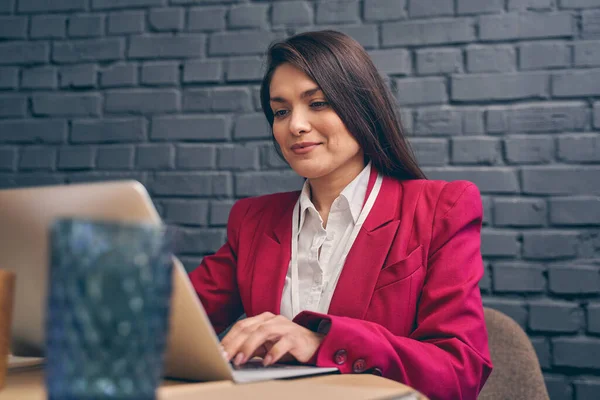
(326, 189)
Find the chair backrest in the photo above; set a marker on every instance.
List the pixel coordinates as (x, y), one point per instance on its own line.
(517, 373)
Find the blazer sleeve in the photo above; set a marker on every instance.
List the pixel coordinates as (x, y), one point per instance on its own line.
(447, 355)
(215, 279)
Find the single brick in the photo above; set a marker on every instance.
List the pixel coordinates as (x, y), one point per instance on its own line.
(531, 5)
(51, 6)
(438, 61)
(200, 241)
(488, 179)
(244, 69)
(33, 131)
(543, 55)
(579, 147)
(510, 86)
(122, 22)
(430, 8)
(590, 24)
(78, 76)
(555, 316)
(119, 75)
(38, 179)
(412, 91)
(578, 4)
(392, 62)
(251, 126)
(109, 4)
(7, 6)
(240, 43)
(85, 25)
(196, 156)
(537, 117)
(166, 19)
(529, 150)
(115, 157)
(337, 11)
(37, 158)
(471, 150)
(499, 243)
(238, 157)
(509, 277)
(586, 53)
(514, 309)
(12, 105)
(39, 78)
(561, 180)
(575, 211)
(219, 212)
(597, 115)
(79, 157)
(161, 46)
(48, 27)
(519, 212)
(259, 183)
(201, 184)
(8, 159)
(24, 53)
(558, 388)
(586, 388)
(86, 50)
(491, 58)
(160, 73)
(593, 318)
(546, 245)
(486, 202)
(577, 352)
(430, 151)
(366, 35)
(248, 16)
(542, 349)
(574, 279)
(526, 26)
(9, 77)
(576, 83)
(155, 156)
(197, 100)
(436, 31)
(292, 13)
(99, 176)
(435, 121)
(187, 127)
(206, 19)
(66, 104)
(231, 99)
(186, 212)
(142, 101)
(479, 7)
(108, 130)
(202, 71)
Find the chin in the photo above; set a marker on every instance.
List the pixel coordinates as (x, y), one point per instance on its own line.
(309, 171)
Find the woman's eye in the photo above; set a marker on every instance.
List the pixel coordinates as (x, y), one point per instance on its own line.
(319, 104)
(279, 113)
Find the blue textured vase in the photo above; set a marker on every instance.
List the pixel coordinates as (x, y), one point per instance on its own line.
(108, 309)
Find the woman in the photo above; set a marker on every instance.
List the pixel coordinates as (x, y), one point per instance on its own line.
(370, 268)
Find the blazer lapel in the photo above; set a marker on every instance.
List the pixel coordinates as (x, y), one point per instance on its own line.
(357, 281)
(272, 257)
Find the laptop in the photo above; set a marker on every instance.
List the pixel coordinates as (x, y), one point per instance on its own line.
(193, 350)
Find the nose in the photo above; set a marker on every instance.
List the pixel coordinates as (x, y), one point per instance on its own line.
(299, 123)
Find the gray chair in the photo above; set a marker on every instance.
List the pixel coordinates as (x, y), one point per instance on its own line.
(517, 373)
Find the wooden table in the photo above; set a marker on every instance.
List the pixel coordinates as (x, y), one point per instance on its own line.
(29, 385)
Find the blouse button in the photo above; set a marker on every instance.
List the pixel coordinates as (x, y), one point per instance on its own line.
(359, 366)
(340, 357)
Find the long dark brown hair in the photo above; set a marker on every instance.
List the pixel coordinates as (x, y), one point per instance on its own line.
(356, 92)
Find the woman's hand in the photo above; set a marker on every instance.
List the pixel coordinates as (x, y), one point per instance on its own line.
(272, 337)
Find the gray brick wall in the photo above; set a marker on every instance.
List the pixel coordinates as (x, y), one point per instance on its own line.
(505, 93)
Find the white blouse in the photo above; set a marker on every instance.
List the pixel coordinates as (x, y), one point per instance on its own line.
(318, 253)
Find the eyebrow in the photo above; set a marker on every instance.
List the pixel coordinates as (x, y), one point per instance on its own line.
(304, 94)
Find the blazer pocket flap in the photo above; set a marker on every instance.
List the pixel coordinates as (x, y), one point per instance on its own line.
(400, 269)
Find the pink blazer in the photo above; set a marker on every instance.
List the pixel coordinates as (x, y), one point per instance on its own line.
(407, 304)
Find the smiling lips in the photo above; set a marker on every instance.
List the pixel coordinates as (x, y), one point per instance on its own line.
(304, 147)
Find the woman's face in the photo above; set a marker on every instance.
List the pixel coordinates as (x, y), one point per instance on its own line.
(312, 137)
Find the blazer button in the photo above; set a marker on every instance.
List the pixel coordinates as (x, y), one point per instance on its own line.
(359, 366)
(340, 357)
